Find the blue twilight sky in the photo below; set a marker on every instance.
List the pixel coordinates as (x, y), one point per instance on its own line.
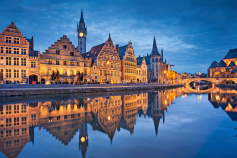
(192, 33)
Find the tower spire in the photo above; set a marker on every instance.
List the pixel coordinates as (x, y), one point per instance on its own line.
(154, 47)
(162, 54)
(82, 18)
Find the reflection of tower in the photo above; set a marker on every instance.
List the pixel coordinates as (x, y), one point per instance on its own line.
(83, 139)
(157, 110)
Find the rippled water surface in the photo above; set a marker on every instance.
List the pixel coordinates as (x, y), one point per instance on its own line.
(169, 123)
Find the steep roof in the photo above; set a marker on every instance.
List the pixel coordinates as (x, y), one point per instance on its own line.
(234, 71)
(94, 51)
(82, 18)
(154, 48)
(213, 65)
(232, 64)
(232, 53)
(221, 64)
(122, 51)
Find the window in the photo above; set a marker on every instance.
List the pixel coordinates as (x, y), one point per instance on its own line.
(16, 132)
(23, 108)
(71, 63)
(58, 118)
(23, 120)
(152, 59)
(8, 40)
(16, 50)
(33, 117)
(16, 142)
(8, 144)
(8, 133)
(16, 109)
(71, 53)
(57, 52)
(16, 61)
(50, 61)
(23, 51)
(78, 64)
(8, 122)
(23, 61)
(33, 64)
(16, 40)
(8, 109)
(16, 73)
(64, 62)
(16, 121)
(1, 134)
(23, 73)
(23, 131)
(64, 46)
(65, 117)
(156, 59)
(1, 50)
(57, 62)
(8, 50)
(8, 60)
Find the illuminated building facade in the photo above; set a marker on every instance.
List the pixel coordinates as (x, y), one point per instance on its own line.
(128, 64)
(106, 65)
(62, 62)
(18, 60)
(142, 71)
(226, 67)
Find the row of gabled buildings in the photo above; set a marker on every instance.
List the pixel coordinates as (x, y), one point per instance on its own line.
(63, 62)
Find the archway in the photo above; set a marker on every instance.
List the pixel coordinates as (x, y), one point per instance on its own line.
(228, 82)
(137, 80)
(8, 82)
(33, 79)
(42, 81)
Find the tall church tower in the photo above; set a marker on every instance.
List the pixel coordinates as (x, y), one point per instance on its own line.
(81, 32)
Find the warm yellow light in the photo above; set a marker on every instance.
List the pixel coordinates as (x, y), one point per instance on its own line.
(107, 62)
(47, 83)
(108, 117)
(164, 71)
(80, 34)
(83, 139)
(165, 102)
(199, 97)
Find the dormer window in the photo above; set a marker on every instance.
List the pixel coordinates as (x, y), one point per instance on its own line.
(64, 46)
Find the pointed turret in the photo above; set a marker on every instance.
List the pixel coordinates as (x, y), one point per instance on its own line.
(162, 54)
(82, 18)
(154, 48)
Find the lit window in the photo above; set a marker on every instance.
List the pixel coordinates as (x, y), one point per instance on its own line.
(23, 73)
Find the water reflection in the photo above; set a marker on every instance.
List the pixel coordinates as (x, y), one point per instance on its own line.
(107, 114)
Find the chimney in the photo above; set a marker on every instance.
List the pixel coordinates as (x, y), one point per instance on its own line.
(117, 48)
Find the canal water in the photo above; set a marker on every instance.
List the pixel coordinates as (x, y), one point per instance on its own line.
(168, 123)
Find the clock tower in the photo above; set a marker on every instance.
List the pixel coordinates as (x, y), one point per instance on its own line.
(81, 33)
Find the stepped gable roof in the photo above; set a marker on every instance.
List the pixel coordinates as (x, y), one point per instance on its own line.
(140, 61)
(232, 64)
(232, 115)
(213, 65)
(232, 53)
(122, 51)
(222, 64)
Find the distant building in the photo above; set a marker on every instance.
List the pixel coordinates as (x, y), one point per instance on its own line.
(157, 69)
(226, 67)
(18, 60)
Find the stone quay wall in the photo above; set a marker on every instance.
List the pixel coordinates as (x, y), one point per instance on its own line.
(26, 90)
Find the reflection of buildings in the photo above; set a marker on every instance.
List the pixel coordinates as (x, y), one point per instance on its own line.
(64, 117)
(228, 102)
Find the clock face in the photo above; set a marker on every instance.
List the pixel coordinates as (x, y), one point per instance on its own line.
(80, 34)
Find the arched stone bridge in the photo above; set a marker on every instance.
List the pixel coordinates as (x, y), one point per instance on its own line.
(214, 81)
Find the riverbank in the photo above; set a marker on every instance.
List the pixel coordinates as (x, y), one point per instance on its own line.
(38, 89)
